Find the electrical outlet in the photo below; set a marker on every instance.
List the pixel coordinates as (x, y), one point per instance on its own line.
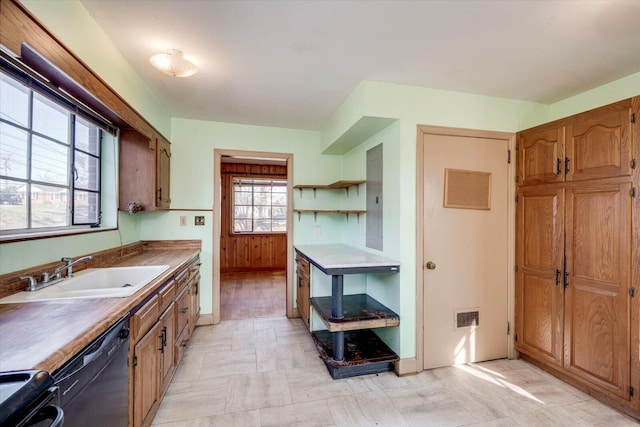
(183, 220)
(199, 220)
(318, 230)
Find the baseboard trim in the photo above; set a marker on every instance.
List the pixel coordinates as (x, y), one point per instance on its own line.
(205, 319)
(407, 367)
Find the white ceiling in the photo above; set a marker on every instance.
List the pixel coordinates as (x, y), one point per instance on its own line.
(293, 63)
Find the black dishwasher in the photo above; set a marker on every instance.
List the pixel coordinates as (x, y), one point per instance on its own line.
(94, 385)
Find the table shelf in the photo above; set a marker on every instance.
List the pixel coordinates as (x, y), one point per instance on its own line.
(360, 311)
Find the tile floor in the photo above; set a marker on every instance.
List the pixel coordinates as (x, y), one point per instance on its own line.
(266, 372)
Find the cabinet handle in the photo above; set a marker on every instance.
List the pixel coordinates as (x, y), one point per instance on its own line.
(558, 165)
(163, 339)
(160, 194)
(566, 279)
(566, 165)
(184, 310)
(299, 281)
(557, 277)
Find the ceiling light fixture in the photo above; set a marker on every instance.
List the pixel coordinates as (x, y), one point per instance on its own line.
(172, 63)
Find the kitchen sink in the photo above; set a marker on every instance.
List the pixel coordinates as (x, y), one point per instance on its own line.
(113, 282)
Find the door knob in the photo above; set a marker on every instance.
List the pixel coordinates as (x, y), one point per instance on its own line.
(431, 265)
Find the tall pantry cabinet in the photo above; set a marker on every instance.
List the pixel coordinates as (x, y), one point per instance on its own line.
(577, 251)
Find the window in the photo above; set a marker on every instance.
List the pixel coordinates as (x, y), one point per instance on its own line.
(259, 205)
(50, 160)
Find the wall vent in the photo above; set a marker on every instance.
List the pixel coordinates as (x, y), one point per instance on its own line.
(466, 319)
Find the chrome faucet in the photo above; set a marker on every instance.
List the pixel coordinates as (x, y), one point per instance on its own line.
(70, 263)
(51, 279)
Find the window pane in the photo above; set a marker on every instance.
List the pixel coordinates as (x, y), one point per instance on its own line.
(87, 171)
(13, 151)
(279, 188)
(278, 213)
(87, 137)
(242, 212)
(14, 101)
(279, 199)
(261, 212)
(262, 199)
(49, 206)
(242, 198)
(49, 161)
(85, 208)
(50, 119)
(241, 225)
(262, 226)
(13, 209)
(279, 225)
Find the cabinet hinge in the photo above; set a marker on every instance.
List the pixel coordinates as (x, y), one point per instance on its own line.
(517, 146)
(633, 192)
(632, 292)
(509, 156)
(633, 163)
(516, 199)
(517, 178)
(508, 328)
(633, 117)
(516, 268)
(515, 337)
(631, 390)
(134, 361)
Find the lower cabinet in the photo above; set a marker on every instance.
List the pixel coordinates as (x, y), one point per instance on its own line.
(303, 272)
(160, 330)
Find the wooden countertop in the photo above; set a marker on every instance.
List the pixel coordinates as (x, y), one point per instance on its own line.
(343, 259)
(45, 335)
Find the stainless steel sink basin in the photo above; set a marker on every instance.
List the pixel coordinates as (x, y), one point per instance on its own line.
(114, 282)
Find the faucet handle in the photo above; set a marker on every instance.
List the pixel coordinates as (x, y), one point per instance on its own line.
(66, 259)
(32, 281)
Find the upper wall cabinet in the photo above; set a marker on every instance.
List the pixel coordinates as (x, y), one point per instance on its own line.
(144, 171)
(540, 153)
(599, 146)
(595, 144)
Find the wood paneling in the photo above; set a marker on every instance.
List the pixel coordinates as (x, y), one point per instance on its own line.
(249, 252)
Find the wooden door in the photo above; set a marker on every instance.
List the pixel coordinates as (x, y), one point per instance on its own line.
(167, 334)
(163, 165)
(465, 249)
(541, 155)
(600, 146)
(146, 376)
(539, 290)
(598, 260)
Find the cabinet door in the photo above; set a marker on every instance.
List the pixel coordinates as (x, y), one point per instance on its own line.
(598, 258)
(541, 155)
(146, 377)
(302, 299)
(137, 170)
(599, 147)
(539, 291)
(163, 165)
(167, 338)
(194, 303)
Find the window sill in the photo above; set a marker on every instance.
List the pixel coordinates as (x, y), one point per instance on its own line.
(22, 237)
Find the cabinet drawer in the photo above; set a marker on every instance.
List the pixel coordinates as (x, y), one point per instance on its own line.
(303, 264)
(167, 295)
(182, 279)
(145, 317)
(181, 345)
(182, 310)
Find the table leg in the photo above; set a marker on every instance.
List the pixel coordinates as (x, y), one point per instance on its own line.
(337, 312)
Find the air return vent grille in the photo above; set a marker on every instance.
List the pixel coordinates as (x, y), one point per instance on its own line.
(467, 319)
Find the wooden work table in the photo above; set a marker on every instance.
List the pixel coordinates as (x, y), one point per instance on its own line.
(44, 335)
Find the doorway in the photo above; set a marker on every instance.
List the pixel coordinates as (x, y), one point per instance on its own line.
(252, 235)
(465, 240)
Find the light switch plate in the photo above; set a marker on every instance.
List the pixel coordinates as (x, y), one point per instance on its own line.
(199, 220)
(183, 220)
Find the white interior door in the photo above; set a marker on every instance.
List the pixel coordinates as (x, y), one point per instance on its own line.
(465, 250)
